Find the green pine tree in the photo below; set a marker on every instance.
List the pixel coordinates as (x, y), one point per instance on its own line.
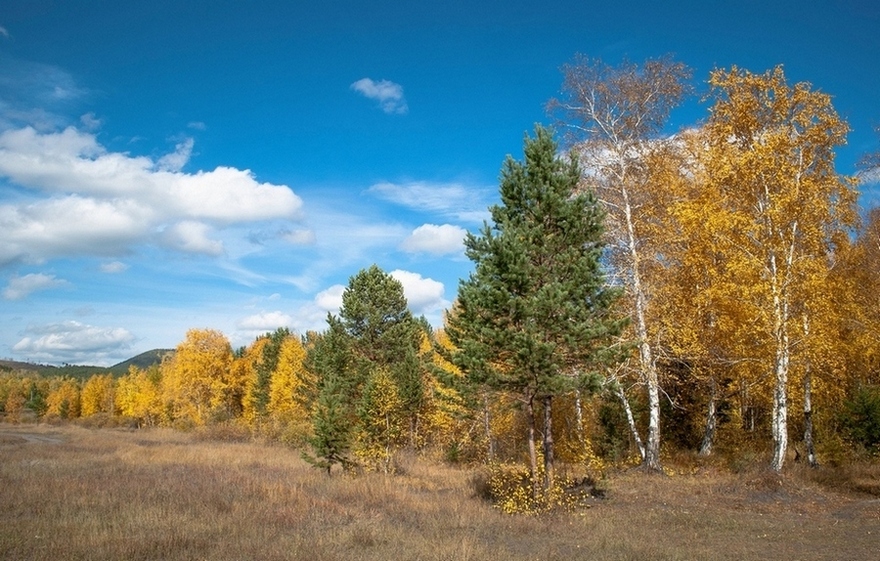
(374, 331)
(332, 430)
(535, 317)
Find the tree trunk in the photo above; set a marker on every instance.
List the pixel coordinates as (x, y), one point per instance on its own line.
(808, 406)
(711, 421)
(487, 425)
(808, 425)
(579, 417)
(779, 291)
(631, 421)
(780, 411)
(533, 455)
(651, 456)
(548, 443)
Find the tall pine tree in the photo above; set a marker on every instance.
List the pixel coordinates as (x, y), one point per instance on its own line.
(535, 316)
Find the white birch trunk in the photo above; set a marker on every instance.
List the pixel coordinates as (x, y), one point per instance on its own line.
(779, 291)
(711, 421)
(579, 417)
(651, 455)
(631, 421)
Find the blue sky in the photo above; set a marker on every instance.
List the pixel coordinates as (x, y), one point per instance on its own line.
(167, 165)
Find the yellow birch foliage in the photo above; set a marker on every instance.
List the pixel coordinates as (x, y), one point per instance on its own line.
(139, 396)
(769, 160)
(858, 269)
(380, 421)
(98, 395)
(13, 397)
(698, 313)
(198, 384)
(63, 399)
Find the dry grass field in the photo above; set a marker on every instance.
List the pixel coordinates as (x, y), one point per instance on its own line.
(72, 493)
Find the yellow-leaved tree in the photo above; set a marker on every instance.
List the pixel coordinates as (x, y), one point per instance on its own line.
(249, 366)
(198, 384)
(98, 395)
(139, 395)
(769, 155)
(614, 118)
(380, 421)
(63, 399)
(292, 391)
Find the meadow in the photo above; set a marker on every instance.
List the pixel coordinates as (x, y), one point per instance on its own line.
(70, 492)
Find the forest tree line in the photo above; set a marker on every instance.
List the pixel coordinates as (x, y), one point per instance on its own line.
(636, 293)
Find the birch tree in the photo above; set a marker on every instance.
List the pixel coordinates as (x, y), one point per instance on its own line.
(614, 119)
(198, 384)
(770, 151)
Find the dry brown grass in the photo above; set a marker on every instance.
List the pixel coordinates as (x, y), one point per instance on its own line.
(76, 493)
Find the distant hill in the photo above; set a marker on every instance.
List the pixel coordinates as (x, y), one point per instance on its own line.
(14, 365)
(143, 361)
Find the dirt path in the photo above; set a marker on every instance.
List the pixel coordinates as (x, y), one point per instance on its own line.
(26, 435)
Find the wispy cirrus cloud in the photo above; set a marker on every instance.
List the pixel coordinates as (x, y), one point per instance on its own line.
(21, 287)
(468, 203)
(90, 122)
(36, 94)
(388, 94)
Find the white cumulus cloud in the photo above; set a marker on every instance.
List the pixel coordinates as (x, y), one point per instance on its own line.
(330, 300)
(85, 200)
(265, 321)
(437, 240)
(20, 287)
(72, 341)
(423, 295)
(192, 237)
(387, 93)
(311, 315)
